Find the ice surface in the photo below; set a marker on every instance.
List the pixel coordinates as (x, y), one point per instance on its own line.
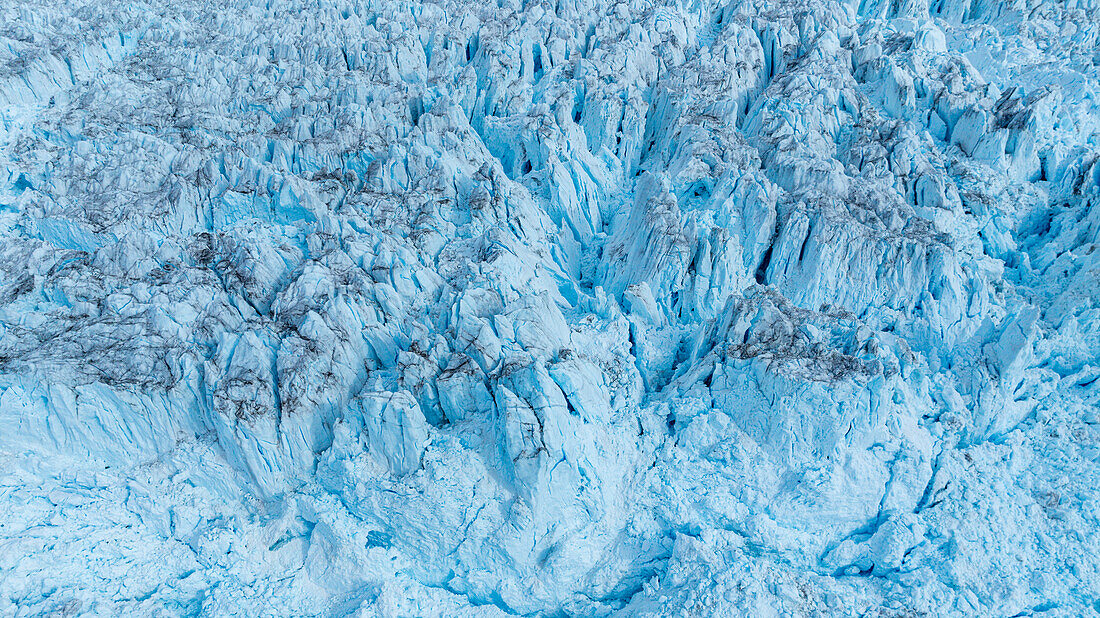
(639, 308)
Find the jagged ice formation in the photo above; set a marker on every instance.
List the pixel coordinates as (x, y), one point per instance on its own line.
(569, 307)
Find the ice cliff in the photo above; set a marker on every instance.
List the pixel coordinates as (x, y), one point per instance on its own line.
(554, 307)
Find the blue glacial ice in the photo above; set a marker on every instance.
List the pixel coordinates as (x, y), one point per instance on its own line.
(550, 308)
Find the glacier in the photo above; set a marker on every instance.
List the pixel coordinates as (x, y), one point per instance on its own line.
(550, 308)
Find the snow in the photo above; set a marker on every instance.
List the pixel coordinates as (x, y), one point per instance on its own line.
(644, 308)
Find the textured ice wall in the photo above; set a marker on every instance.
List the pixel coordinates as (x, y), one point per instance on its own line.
(648, 308)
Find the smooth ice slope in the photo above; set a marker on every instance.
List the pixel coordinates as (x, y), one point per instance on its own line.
(648, 308)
